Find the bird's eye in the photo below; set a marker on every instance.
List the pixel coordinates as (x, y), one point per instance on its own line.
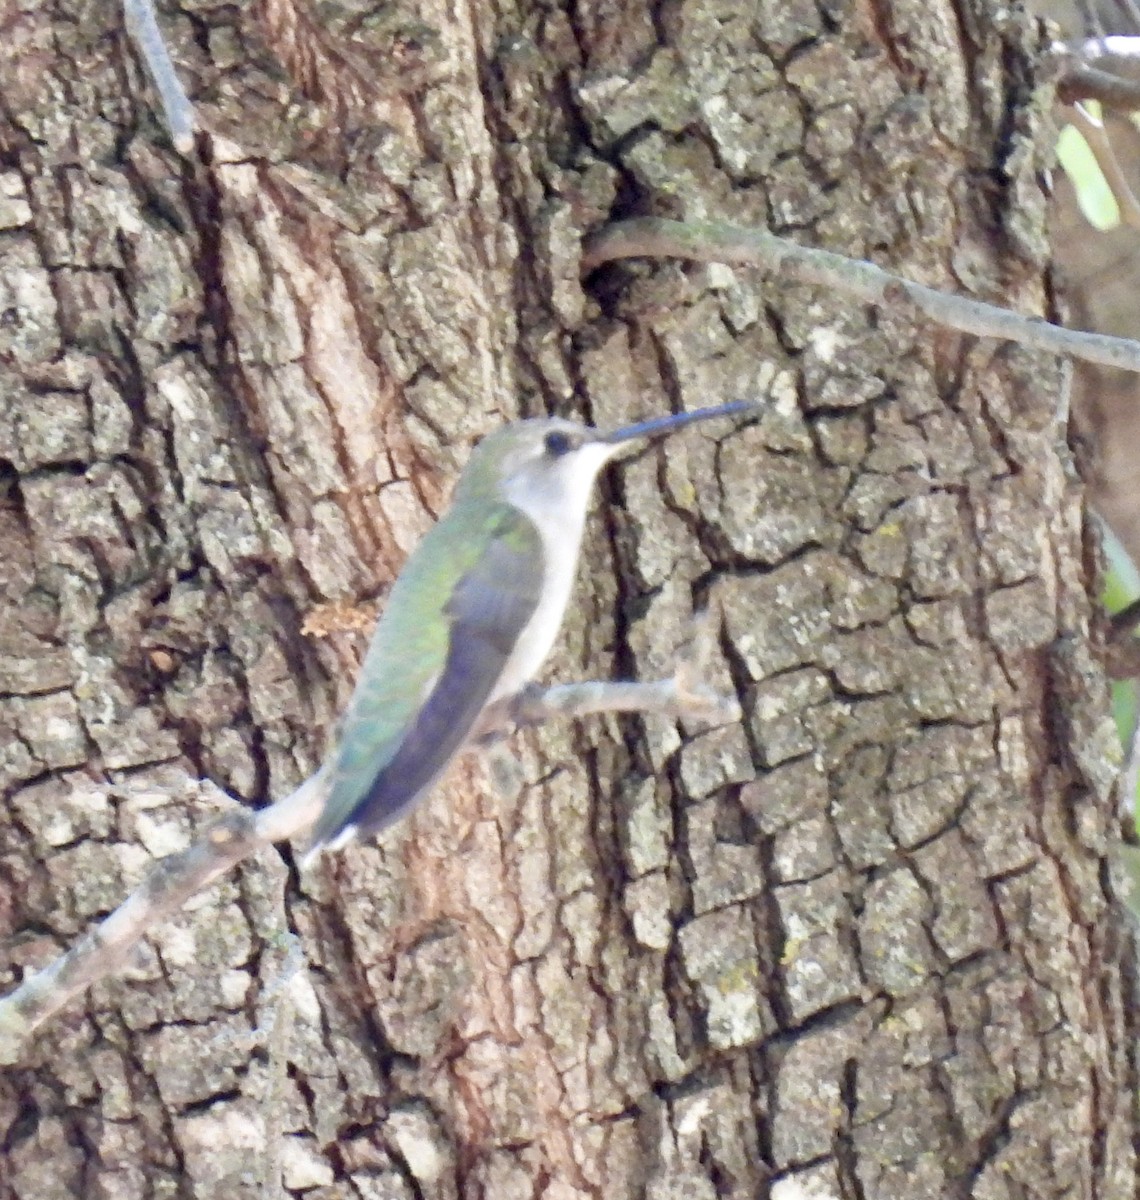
(558, 443)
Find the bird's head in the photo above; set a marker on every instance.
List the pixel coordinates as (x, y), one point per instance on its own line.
(551, 460)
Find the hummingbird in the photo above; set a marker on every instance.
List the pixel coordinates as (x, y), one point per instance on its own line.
(472, 615)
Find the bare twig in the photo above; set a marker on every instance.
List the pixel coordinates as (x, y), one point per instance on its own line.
(666, 697)
(685, 696)
(1129, 12)
(1121, 48)
(1096, 136)
(653, 237)
(142, 25)
(241, 833)
(1079, 82)
(174, 880)
(1090, 18)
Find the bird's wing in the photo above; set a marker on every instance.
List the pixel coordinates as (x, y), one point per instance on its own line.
(489, 607)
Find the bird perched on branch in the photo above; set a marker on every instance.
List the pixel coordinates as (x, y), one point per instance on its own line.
(472, 616)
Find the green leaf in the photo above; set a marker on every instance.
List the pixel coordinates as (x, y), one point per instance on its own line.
(1095, 198)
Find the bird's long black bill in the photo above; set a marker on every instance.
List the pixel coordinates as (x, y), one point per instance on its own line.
(660, 425)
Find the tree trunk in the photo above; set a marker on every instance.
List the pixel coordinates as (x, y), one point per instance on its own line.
(863, 944)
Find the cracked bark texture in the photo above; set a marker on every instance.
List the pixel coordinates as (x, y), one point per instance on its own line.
(865, 943)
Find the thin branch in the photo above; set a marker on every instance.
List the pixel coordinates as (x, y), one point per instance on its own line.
(1090, 18)
(240, 833)
(653, 237)
(1130, 12)
(1112, 80)
(1119, 47)
(664, 697)
(142, 25)
(685, 696)
(170, 884)
(1096, 136)
(1080, 82)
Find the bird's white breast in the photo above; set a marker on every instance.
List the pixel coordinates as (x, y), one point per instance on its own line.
(559, 514)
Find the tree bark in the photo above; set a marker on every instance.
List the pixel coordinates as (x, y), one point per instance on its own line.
(864, 943)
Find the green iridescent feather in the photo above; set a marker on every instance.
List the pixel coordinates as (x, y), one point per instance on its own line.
(449, 626)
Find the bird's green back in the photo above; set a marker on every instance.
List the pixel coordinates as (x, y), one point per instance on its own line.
(410, 646)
